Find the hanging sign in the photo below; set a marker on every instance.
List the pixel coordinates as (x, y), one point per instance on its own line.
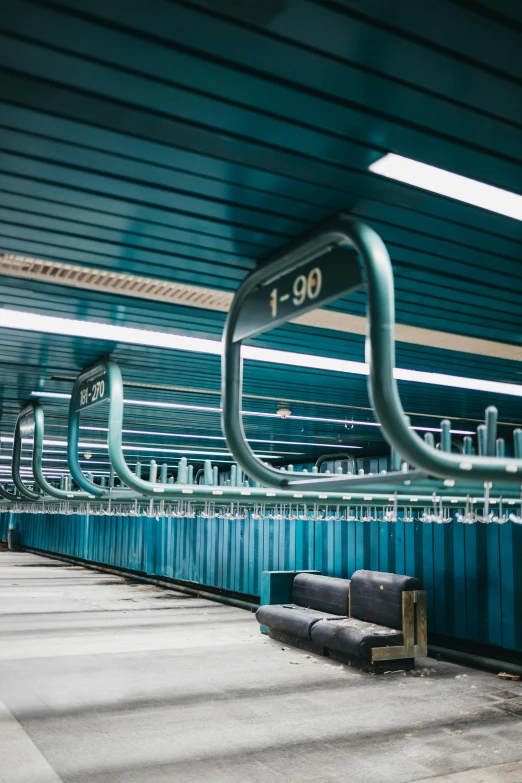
(310, 285)
(93, 389)
(27, 425)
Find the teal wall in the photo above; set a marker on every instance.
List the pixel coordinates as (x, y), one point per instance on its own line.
(471, 572)
(4, 520)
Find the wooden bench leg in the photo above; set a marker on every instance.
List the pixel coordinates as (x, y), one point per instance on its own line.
(413, 614)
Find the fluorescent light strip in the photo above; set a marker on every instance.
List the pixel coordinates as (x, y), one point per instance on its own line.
(34, 322)
(446, 183)
(56, 395)
(177, 406)
(98, 445)
(220, 437)
(71, 327)
(267, 415)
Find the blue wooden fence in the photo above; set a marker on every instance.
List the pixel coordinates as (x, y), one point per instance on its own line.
(4, 521)
(470, 572)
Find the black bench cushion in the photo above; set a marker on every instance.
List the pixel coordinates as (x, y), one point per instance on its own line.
(354, 638)
(376, 596)
(325, 593)
(290, 619)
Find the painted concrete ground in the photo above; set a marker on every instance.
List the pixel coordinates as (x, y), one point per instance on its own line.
(104, 680)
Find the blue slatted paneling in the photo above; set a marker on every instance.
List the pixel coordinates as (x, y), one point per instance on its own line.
(469, 571)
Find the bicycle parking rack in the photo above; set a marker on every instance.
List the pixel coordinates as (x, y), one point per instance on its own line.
(318, 269)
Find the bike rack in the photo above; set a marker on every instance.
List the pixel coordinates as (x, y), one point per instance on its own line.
(108, 375)
(338, 455)
(32, 421)
(6, 495)
(99, 383)
(315, 270)
(91, 381)
(24, 427)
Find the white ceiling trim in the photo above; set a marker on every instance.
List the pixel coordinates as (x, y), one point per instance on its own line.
(136, 286)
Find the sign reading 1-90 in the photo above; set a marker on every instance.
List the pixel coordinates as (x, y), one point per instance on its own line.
(304, 287)
(314, 283)
(94, 389)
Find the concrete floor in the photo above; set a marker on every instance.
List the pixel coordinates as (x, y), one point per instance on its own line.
(107, 681)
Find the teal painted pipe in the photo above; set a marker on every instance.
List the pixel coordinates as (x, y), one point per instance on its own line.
(73, 432)
(445, 435)
(215, 476)
(26, 422)
(36, 412)
(491, 430)
(138, 470)
(111, 477)
(164, 471)
(182, 471)
(6, 495)
(153, 471)
(190, 474)
(233, 475)
(517, 440)
(429, 439)
(481, 439)
(208, 475)
(501, 447)
(395, 460)
(468, 445)
(344, 455)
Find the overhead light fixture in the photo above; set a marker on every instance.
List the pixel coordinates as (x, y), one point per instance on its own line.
(446, 183)
(178, 406)
(71, 327)
(34, 322)
(221, 437)
(127, 447)
(55, 395)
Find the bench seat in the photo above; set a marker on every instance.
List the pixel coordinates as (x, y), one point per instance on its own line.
(291, 619)
(376, 618)
(352, 637)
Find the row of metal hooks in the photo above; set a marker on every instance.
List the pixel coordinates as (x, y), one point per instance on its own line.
(474, 512)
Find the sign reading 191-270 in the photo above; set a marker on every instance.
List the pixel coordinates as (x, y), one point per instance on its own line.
(310, 285)
(94, 389)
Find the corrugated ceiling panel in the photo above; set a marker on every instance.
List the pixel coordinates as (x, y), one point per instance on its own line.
(185, 140)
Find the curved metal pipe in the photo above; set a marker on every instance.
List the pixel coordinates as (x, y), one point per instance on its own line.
(338, 455)
(6, 495)
(380, 351)
(38, 439)
(457, 447)
(30, 494)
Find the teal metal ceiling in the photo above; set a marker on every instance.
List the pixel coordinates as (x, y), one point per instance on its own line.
(185, 140)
